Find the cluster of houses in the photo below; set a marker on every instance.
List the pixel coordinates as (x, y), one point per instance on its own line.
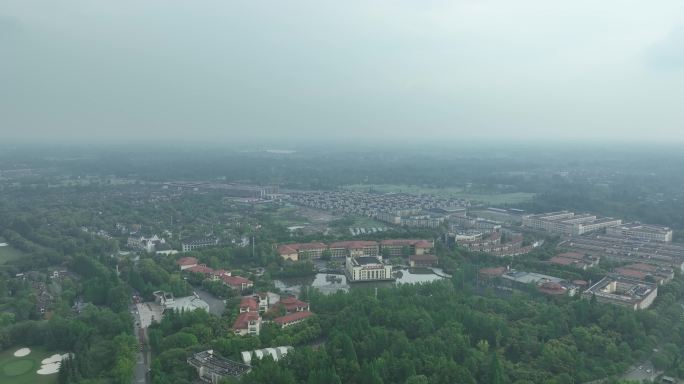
(284, 311)
(190, 264)
(632, 285)
(374, 204)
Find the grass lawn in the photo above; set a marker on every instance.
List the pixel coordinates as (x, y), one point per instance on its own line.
(8, 253)
(475, 198)
(22, 370)
(367, 222)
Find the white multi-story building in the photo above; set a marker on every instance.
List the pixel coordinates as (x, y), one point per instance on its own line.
(367, 269)
(568, 223)
(642, 231)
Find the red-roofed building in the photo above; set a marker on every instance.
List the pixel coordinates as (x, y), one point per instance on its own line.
(186, 262)
(354, 248)
(247, 323)
(551, 288)
(396, 247)
(237, 282)
(646, 272)
(423, 260)
(203, 269)
(492, 273)
(288, 252)
(575, 259)
(304, 251)
(292, 318)
(249, 304)
(293, 304)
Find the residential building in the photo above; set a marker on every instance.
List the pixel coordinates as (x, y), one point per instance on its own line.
(237, 283)
(292, 319)
(186, 262)
(367, 269)
(640, 231)
(212, 368)
(247, 323)
(622, 291)
(423, 260)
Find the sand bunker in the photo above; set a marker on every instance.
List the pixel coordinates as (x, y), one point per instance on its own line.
(22, 352)
(56, 358)
(51, 364)
(49, 369)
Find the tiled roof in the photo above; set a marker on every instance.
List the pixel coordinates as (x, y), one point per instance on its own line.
(354, 244)
(187, 261)
(293, 317)
(292, 303)
(236, 280)
(201, 269)
(249, 302)
(244, 318)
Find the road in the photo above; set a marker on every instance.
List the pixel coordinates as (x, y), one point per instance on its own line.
(216, 306)
(142, 357)
(644, 371)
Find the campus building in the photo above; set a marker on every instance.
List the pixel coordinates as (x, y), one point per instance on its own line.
(367, 269)
(191, 245)
(620, 248)
(568, 223)
(642, 231)
(622, 291)
(646, 272)
(344, 249)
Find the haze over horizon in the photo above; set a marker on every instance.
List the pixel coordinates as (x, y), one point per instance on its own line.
(320, 70)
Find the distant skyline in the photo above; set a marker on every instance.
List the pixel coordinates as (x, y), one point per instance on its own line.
(431, 70)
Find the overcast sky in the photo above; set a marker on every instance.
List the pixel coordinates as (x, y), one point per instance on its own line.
(342, 69)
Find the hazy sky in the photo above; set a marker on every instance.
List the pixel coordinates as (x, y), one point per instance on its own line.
(344, 69)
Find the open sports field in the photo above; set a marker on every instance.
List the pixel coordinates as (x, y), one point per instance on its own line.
(22, 370)
(8, 253)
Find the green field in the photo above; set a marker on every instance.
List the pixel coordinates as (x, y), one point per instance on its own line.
(22, 370)
(475, 198)
(9, 253)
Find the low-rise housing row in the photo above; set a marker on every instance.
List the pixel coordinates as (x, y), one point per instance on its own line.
(383, 206)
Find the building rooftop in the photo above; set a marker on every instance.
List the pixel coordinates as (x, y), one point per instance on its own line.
(217, 365)
(244, 318)
(187, 261)
(293, 317)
